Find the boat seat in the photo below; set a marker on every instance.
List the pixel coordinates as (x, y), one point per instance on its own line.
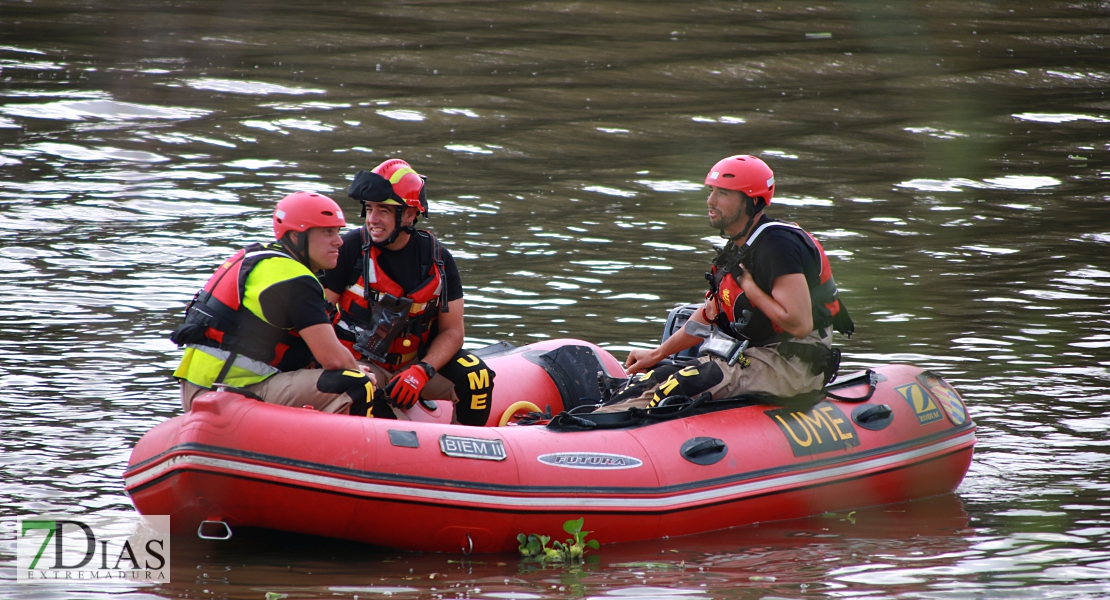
(675, 320)
(578, 374)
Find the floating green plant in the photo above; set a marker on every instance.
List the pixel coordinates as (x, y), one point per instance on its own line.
(850, 517)
(534, 547)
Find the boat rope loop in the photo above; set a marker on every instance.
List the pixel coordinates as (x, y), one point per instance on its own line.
(872, 378)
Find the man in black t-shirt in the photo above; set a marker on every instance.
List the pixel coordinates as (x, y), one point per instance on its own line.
(771, 287)
(401, 300)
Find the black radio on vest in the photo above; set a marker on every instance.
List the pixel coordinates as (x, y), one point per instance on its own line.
(388, 319)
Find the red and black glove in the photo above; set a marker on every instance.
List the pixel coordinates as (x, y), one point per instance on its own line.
(404, 389)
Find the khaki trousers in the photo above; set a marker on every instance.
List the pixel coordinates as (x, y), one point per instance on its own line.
(334, 391)
(293, 388)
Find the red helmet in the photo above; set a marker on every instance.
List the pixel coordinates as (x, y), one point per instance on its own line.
(407, 184)
(303, 211)
(743, 173)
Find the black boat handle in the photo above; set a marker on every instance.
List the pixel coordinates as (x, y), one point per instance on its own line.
(710, 445)
(877, 412)
(703, 450)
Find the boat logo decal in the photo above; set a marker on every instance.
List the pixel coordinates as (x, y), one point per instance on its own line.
(921, 402)
(947, 397)
(823, 428)
(463, 447)
(589, 460)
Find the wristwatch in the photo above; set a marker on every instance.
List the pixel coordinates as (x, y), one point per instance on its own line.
(429, 370)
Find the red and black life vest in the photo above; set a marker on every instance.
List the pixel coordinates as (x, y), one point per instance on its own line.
(824, 296)
(369, 281)
(217, 318)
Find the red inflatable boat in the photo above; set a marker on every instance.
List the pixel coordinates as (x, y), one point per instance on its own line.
(236, 462)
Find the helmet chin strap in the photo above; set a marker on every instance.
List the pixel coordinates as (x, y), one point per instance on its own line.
(299, 251)
(752, 209)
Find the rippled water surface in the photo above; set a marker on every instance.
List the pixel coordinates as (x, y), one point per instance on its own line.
(954, 158)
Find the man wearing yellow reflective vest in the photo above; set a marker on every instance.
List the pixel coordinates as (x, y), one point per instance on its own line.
(262, 323)
(400, 299)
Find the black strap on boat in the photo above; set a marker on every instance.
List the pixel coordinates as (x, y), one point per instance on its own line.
(671, 407)
(227, 367)
(678, 406)
(223, 387)
(536, 418)
(674, 407)
(872, 379)
(580, 418)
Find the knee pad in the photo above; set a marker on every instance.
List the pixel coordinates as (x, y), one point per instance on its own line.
(642, 382)
(358, 386)
(473, 381)
(689, 381)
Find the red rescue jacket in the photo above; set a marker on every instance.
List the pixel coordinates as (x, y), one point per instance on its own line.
(824, 296)
(356, 303)
(217, 318)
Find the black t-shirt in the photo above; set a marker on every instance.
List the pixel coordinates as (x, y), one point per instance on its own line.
(777, 252)
(295, 303)
(402, 266)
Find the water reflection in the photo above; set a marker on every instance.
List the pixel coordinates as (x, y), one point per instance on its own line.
(109, 110)
(952, 159)
(923, 547)
(254, 88)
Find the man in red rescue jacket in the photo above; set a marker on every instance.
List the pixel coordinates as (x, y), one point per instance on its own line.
(400, 299)
(771, 287)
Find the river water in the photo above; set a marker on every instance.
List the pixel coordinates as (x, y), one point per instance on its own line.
(954, 158)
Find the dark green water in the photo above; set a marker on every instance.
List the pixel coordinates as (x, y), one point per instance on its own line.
(953, 157)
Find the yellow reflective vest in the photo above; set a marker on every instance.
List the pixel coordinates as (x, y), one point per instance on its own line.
(226, 336)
